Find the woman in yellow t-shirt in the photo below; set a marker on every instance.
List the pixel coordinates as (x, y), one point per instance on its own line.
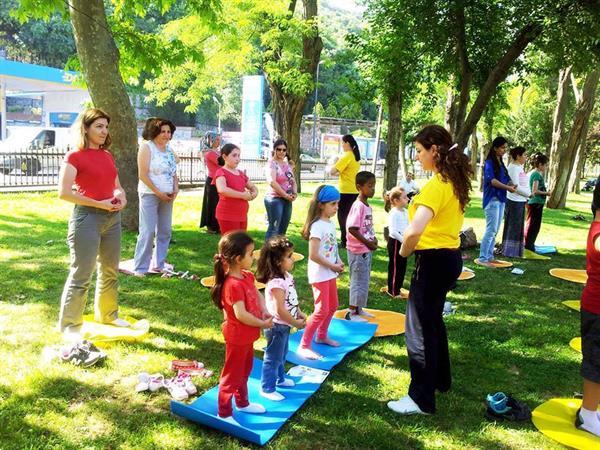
(347, 167)
(436, 215)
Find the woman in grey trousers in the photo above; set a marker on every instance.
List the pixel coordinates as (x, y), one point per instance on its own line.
(157, 189)
(94, 235)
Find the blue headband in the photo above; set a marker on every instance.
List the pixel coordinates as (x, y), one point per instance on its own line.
(328, 194)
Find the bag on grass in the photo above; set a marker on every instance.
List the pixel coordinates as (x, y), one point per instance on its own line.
(467, 239)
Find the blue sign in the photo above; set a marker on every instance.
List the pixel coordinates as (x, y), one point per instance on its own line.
(252, 115)
(36, 72)
(62, 119)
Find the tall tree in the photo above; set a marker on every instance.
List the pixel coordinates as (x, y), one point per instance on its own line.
(583, 110)
(391, 59)
(291, 52)
(100, 57)
(479, 43)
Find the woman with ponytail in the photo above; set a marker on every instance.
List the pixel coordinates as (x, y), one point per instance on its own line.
(245, 314)
(496, 183)
(436, 216)
(347, 167)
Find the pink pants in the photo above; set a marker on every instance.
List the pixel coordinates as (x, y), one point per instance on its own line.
(326, 303)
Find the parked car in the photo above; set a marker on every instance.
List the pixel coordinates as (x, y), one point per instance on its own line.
(308, 162)
(590, 184)
(20, 151)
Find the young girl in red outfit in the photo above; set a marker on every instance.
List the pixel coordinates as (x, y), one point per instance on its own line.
(245, 314)
(235, 190)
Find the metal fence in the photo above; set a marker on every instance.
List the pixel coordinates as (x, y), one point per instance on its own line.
(39, 169)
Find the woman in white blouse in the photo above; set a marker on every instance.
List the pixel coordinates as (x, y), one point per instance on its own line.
(514, 218)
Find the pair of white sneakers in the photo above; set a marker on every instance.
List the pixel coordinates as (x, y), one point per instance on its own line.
(180, 387)
(276, 396)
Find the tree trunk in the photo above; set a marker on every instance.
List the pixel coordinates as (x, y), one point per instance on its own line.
(450, 109)
(390, 172)
(581, 117)
(474, 149)
(466, 74)
(99, 58)
(488, 136)
(558, 125)
(579, 165)
(287, 106)
(526, 35)
(288, 119)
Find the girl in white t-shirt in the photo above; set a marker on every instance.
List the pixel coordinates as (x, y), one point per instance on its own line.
(274, 267)
(324, 266)
(513, 242)
(395, 202)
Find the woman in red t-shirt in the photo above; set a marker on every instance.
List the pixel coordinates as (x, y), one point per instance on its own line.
(95, 226)
(245, 314)
(211, 153)
(588, 418)
(235, 190)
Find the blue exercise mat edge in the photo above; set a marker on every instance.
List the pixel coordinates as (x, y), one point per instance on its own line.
(358, 333)
(545, 249)
(204, 409)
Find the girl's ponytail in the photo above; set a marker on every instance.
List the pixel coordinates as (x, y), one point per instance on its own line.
(220, 275)
(232, 245)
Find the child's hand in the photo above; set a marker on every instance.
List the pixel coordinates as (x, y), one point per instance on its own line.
(299, 323)
(267, 323)
(372, 245)
(266, 314)
(338, 267)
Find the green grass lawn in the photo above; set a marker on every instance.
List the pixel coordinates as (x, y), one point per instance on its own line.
(510, 333)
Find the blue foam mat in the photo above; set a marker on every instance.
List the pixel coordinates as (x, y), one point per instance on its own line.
(545, 249)
(256, 428)
(350, 335)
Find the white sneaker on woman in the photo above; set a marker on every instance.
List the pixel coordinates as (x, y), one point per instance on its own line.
(405, 406)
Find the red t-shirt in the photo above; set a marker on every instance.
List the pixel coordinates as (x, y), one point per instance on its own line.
(590, 298)
(96, 172)
(235, 290)
(234, 209)
(212, 164)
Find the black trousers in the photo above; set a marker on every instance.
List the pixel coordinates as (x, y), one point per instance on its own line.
(533, 223)
(426, 339)
(396, 267)
(345, 204)
(209, 206)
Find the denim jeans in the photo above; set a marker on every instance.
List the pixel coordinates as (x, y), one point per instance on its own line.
(279, 212)
(494, 212)
(273, 369)
(155, 220)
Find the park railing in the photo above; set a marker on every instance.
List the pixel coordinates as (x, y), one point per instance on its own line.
(39, 168)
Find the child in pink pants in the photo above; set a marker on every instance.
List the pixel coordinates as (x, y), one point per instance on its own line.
(324, 266)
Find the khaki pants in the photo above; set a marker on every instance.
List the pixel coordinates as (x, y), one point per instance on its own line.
(94, 240)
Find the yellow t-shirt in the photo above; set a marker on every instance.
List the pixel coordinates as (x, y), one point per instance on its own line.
(443, 229)
(348, 167)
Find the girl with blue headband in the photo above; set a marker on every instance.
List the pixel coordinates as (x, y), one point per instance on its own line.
(324, 266)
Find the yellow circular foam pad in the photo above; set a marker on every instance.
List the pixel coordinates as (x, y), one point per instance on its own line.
(295, 256)
(210, 282)
(389, 323)
(101, 332)
(403, 292)
(498, 264)
(574, 275)
(573, 304)
(528, 254)
(575, 344)
(556, 419)
(466, 275)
